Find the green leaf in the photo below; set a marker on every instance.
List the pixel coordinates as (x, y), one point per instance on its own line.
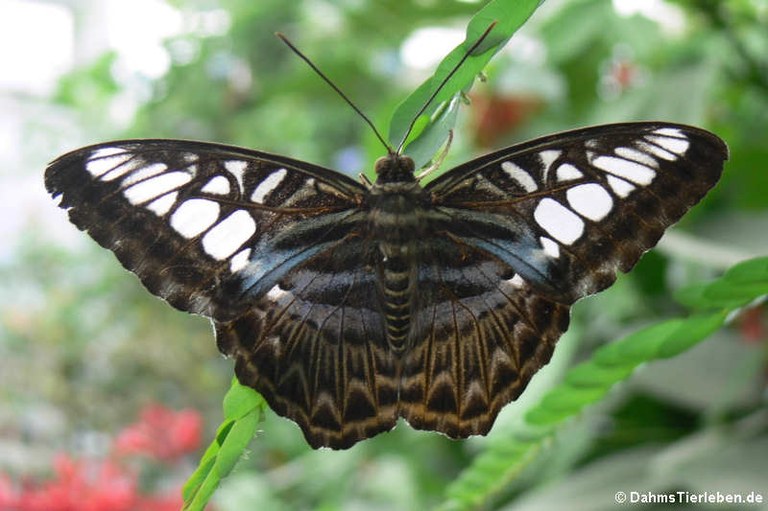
(690, 332)
(243, 410)
(509, 15)
(431, 133)
(752, 270)
(740, 285)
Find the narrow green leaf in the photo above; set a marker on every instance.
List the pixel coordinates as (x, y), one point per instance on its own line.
(753, 270)
(243, 409)
(239, 437)
(508, 15)
(728, 292)
(692, 296)
(693, 330)
(240, 400)
(431, 133)
(590, 374)
(637, 347)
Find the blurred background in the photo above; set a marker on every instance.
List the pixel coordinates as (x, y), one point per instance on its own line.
(108, 394)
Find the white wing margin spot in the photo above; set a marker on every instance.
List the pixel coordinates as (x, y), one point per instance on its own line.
(268, 185)
(590, 200)
(567, 172)
(226, 237)
(240, 260)
(640, 157)
(107, 159)
(154, 187)
(620, 187)
(219, 185)
(675, 145)
(560, 222)
(550, 246)
(194, 216)
(520, 176)
(629, 170)
(163, 205)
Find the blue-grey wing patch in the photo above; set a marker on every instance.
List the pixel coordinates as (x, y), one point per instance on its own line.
(196, 221)
(569, 210)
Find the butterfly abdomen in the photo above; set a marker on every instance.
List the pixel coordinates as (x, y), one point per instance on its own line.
(398, 224)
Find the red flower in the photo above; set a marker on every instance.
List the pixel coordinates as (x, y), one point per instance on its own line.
(78, 486)
(161, 433)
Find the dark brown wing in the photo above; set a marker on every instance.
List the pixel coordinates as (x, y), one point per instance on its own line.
(204, 226)
(481, 333)
(315, 347)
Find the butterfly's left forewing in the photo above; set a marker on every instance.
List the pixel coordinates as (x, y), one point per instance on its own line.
(210, 228)
(568, 211)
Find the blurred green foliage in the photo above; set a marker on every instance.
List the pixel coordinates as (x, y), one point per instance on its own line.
(80, 336)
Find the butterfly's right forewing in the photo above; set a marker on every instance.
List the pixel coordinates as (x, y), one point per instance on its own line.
(209, 228)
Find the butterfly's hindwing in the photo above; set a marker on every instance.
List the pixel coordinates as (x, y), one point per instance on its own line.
(570, 210)
(481, 334)
(315, 347)
(205, 226)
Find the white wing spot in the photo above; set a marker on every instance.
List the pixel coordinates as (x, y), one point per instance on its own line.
(516, 281)
(590, 200)
(629, 170)
(669, 132)
(268, 185)
(560, 222)
(656, 151)
(519, 175)
(144, 173)
(155, 187)
(548, 158)
(194, 216)
(240, 260)
(550, 246)
(229, 235)
(640, 157)
(674, 145)
(567, 172)
(164, 204)
(219, 185)
(106, 159)
(276, 293)
(620, 187)
(237, 169)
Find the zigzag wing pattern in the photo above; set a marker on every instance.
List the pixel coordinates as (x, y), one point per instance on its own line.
(481, 333)
(315, 347)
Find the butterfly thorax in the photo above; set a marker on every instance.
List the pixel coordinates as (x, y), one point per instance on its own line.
(397, 207)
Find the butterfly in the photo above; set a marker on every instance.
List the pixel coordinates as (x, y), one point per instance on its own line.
(348, 305)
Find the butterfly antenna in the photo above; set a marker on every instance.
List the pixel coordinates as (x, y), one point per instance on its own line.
(442, 84)
(334, 87)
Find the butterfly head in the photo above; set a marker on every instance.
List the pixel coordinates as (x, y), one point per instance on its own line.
(394, 168)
